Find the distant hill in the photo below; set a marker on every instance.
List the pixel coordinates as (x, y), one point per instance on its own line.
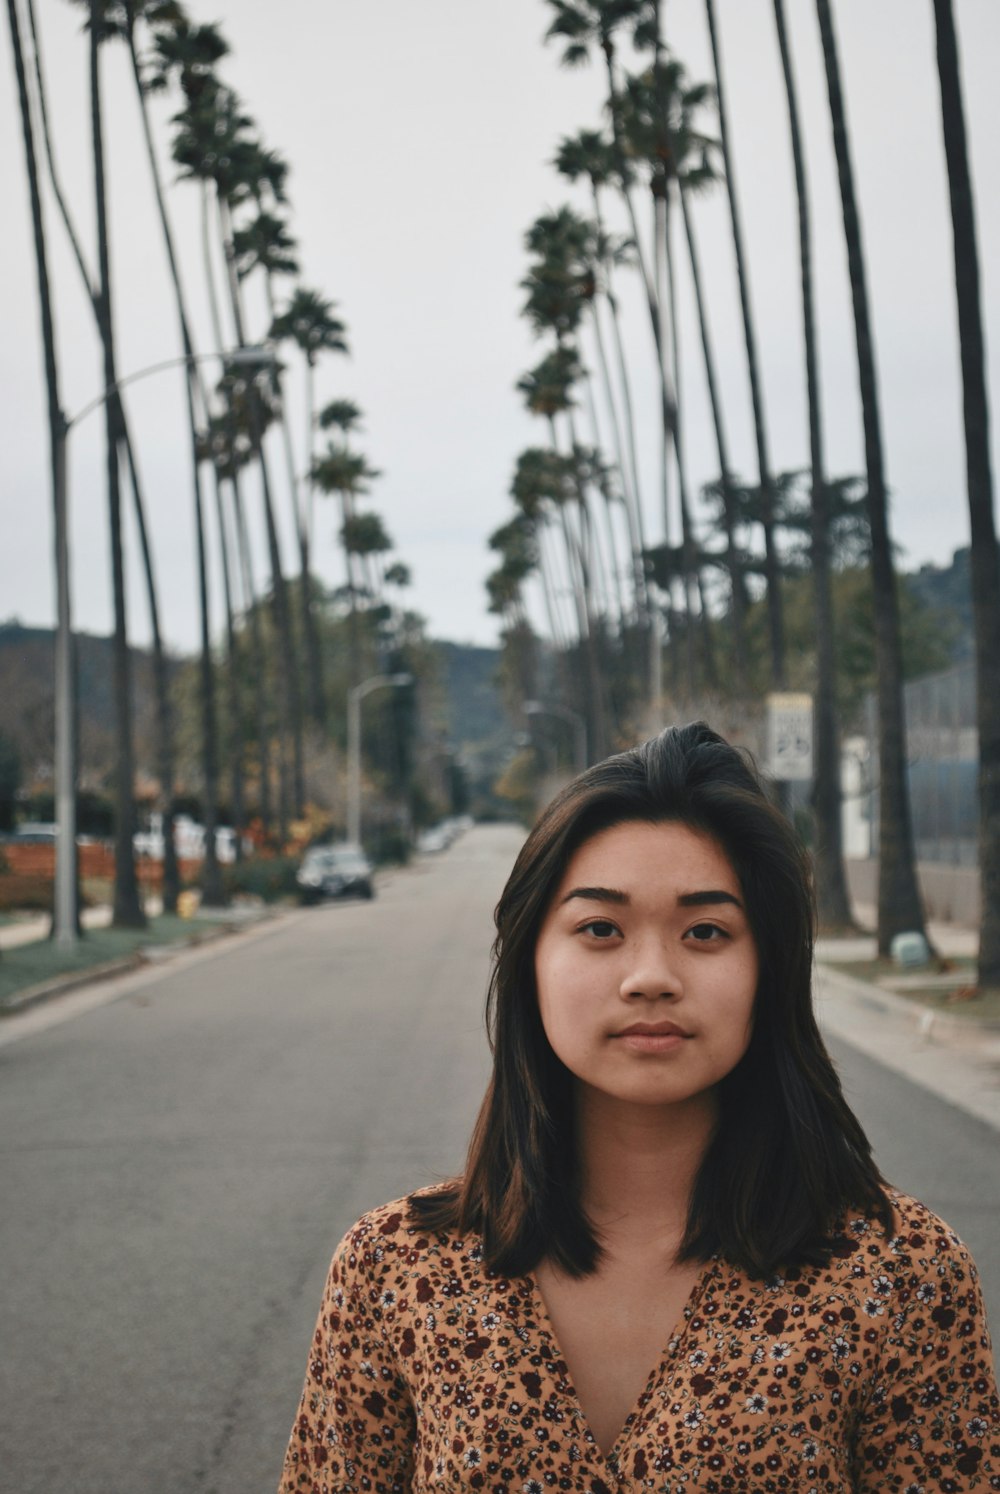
(475, 708)
(27, 672)
(478, 727)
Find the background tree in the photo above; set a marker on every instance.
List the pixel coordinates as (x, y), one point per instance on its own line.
(899, 907)
(831, 882)
(979, 480)
(310, 323)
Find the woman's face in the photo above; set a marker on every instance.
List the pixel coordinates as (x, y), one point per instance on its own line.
(645, 965)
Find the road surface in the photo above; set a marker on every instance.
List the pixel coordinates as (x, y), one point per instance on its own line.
(177, 1164)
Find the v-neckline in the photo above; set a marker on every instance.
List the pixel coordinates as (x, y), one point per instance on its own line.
(669, 1351)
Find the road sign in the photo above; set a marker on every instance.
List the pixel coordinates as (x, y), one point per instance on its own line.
(790, 737)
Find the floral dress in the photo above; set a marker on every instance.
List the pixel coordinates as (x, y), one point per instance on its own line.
(874, 1373)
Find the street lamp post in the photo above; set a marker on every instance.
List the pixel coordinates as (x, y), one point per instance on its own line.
(535, 708)
(354, 698)
(65, 913)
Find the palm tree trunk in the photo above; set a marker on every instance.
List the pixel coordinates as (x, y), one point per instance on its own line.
(899, 907)
(831, 884)
(736, 579)
(633, 487)
(613, 566)
(127, 907)
(688, 562)
(57, 425)
(548, 589)
(235, 743)
(258, 656)
(985, 560)
(310, 634)
(315, 691)
(772, 565)
(667, 409)
(577, 561)
(161, 676)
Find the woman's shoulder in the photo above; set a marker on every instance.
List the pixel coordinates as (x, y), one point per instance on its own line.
(392, 1240)
(389, 1220)
(919, 1234)
(920, 1244)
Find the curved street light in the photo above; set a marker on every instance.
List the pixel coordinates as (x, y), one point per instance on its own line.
(64, 902)
(535, 708)
(355, 696)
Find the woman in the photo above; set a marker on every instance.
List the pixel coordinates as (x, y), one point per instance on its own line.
(671, 1261)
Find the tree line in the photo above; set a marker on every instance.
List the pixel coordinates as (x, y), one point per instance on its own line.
(270, 694)
(698, 606)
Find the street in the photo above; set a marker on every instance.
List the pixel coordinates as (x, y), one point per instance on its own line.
(177, 1165)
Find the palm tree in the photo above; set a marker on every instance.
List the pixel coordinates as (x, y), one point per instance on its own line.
(899, 908)
(364, 535)
(128, 911)
(657, 125)
(985, 559)
(538, 478)
(347, 474)
(265, 244)
(229, 454)
(737, 582)
(582, 24)
(764, 472)
(309, 321)
(164, 744)
(547, 392)
(212, 145)
(212, 883)
(831, 883)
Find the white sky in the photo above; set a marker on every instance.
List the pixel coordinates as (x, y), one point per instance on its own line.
(419, 138)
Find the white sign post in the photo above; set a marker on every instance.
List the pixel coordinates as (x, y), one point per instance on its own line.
(790, 737)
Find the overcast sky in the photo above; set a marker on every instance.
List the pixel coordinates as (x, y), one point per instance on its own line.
(420, 138)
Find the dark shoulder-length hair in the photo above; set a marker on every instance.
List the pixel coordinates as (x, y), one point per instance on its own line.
(788, 1157)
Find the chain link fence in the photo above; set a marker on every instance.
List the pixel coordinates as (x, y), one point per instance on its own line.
(942, 748)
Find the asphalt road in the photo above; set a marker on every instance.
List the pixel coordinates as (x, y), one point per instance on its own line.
(177, 1165)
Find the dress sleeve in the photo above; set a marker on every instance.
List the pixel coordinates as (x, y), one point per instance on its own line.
(355, 1426)
(931, 1418)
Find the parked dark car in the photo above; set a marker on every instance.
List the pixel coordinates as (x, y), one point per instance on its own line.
(334, 871)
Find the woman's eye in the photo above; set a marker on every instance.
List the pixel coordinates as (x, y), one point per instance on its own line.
(601, 928)
(707, 933)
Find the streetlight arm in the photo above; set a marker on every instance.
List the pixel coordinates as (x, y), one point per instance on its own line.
(258, 357)
(563, 713)
(355, 696)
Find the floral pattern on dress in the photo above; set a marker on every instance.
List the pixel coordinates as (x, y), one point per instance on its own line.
(874, 1373)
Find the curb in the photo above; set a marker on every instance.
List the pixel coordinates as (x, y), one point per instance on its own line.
(929, 1022)
(142, 955)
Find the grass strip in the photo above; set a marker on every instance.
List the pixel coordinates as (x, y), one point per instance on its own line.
(29, 965)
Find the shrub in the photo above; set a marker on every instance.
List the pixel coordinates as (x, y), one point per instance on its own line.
(30, 894)
(268, 877)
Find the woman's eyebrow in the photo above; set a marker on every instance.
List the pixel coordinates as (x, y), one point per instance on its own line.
(710, 895)
(598, 895)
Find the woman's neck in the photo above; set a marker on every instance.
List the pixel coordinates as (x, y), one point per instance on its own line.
(638, 1167)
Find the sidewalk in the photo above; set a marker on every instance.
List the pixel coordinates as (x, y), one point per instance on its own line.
(953, 1051)
(35, 926)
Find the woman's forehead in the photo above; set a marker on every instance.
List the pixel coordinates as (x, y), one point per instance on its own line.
(636, 850)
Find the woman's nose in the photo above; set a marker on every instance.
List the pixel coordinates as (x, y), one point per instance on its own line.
(651, 973)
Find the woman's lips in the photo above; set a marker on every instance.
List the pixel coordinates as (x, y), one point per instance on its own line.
(651, 1037)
